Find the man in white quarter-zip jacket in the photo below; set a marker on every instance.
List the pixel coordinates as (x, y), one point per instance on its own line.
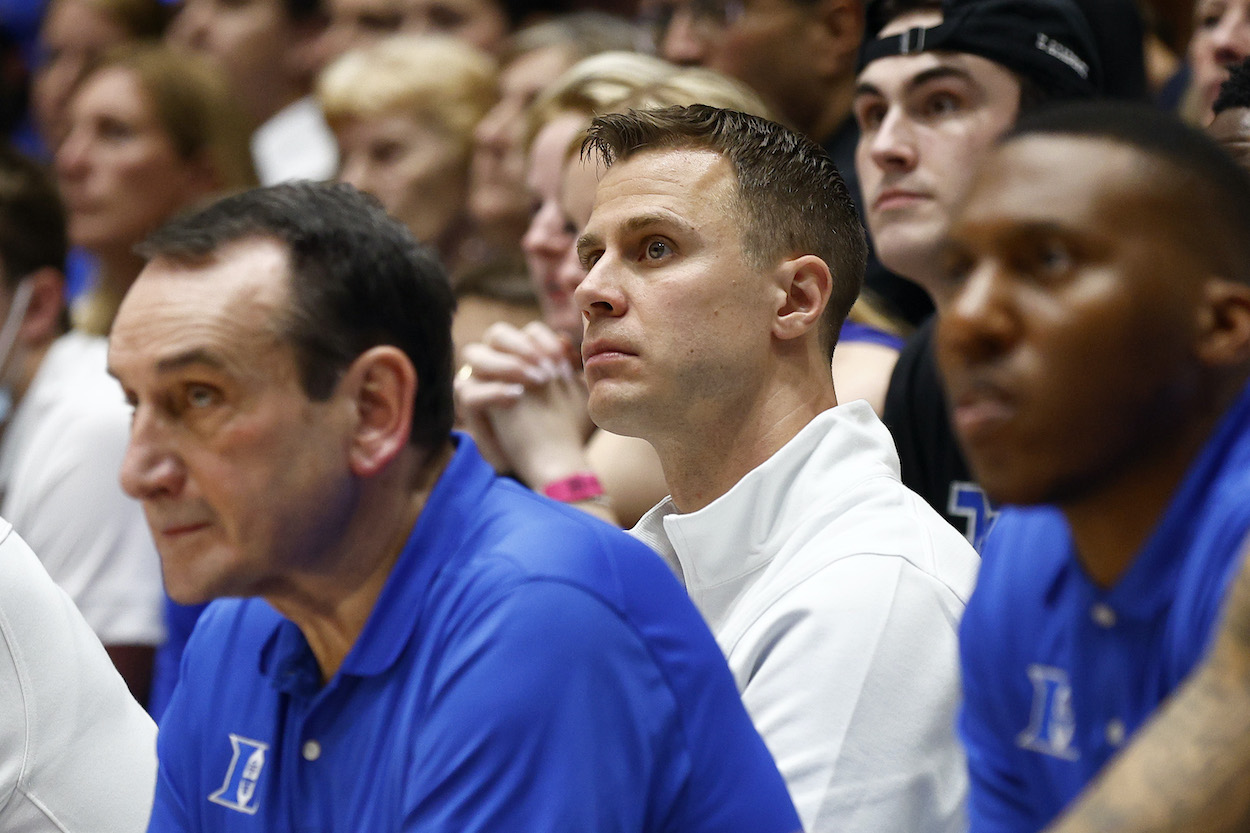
(723, 254)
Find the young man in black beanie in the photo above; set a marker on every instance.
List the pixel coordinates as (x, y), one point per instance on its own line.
(938, 84)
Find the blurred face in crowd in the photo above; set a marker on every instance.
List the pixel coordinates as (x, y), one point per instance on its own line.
(551, 235)
(482, 23)
(254, 41)
(1069, 341)
(579, 181)
(1221, 38)
(925, 120)
(227, 453)
(357, 23)
(417, 171)
(74, 33)
(498, 195)
(766, 44)
(118, 170)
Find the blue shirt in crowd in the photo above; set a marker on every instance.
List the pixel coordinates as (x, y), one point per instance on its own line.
(1057, 672)
(526, 668)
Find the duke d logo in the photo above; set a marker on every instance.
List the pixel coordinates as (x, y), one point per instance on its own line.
(1052, 723)
(238, 791)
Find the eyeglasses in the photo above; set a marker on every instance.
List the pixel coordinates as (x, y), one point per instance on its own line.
(707, 17)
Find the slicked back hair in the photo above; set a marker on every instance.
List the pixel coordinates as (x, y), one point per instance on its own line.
(1209, 191)
(791, 201)
(359, 279)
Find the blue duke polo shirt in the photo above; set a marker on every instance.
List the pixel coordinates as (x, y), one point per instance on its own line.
(525, 668)
(1059, 673)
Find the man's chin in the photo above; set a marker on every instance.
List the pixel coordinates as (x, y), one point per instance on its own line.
(188, 594)
(612, 412)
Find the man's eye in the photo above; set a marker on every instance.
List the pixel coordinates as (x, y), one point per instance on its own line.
(201, 396)
(941, 104)
(870, 115)
(1047, 260)
(115, 129)
(1208, 15)
(1054, 257)
(657, 249)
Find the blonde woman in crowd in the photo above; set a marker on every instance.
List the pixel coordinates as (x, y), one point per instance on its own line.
(73, 36)
(403, 111)
(149, 133)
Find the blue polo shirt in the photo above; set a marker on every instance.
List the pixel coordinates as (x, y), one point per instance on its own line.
(1059, 673)
(525, 668)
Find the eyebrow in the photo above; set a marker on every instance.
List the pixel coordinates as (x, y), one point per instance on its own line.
(586, 242)
(1015, 231)
(937, 73)
(632, 225)
(178, 361)
(194, 356)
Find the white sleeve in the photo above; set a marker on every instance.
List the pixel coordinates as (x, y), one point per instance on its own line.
(77, 753)
(66, 500)
(852, 679)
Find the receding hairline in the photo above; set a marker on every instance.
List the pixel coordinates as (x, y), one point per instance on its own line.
(272, 298)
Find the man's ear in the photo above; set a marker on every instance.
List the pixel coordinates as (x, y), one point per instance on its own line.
(806, 283)
(381, 383)
(1224, 335)
(44, 318)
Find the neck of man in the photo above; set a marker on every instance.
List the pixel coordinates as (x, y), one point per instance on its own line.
(703, 458)
(1111, 522)
(332, 603)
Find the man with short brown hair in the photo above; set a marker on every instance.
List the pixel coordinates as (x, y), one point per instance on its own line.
(723, 254)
